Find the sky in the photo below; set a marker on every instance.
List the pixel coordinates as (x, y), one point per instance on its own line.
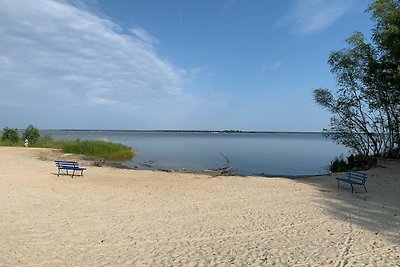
(178, 64)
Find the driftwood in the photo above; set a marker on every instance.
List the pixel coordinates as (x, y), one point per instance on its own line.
(148, 164)
(165, 170)
(223, 170)
(99, 162)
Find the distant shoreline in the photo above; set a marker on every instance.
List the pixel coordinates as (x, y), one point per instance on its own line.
(183, 131)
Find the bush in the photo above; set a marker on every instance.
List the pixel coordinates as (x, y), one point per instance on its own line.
(338, 165)
(10, 135)
(31, 133)
(362, 162)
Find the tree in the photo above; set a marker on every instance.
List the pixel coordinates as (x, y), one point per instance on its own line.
(31, 133)
(10, 135)
(384, 76)
(366, 107)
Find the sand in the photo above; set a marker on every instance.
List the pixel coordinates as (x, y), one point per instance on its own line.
(117, 217)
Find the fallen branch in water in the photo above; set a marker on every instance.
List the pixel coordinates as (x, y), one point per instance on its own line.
(223, 170)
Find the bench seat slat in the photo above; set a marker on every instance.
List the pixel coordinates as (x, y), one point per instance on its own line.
(349, 181)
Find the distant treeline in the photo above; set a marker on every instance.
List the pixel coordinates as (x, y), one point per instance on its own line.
(186, 131)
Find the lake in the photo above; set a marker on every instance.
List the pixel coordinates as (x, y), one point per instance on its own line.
(269, 154)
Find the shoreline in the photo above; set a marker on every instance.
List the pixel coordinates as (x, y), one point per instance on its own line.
(120, 165)
(269, 154)
(112, 216)
(214, 173)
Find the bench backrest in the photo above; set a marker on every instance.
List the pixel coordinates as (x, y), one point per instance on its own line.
(357, 176)
(63, 163)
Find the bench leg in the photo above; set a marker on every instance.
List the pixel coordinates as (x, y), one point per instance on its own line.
(365, 189)
(352, 188)
(337, 184)
(58, 174)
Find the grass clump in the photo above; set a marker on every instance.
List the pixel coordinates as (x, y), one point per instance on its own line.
(11, 143)
(97, 148)
(48, 142)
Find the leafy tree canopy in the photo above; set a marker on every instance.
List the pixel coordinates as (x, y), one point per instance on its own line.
(366, 107)
(10, 135)
(31, 133)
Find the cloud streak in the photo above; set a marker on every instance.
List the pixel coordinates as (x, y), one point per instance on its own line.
(144, 36)
(54, 52)
(310, 16)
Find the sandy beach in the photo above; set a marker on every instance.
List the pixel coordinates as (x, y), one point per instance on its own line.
(118, 217)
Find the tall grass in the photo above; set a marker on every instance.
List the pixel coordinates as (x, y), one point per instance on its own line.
(97, 148)
(10, 143)
(48, 142)
(93, 148)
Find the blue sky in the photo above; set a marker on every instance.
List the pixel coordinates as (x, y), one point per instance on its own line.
(147, 64)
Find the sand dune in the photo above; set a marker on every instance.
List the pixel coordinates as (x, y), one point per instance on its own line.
(145, 218)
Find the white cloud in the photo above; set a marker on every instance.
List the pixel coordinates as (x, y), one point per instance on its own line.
(310, 16)
(144, 36)
(53, 54)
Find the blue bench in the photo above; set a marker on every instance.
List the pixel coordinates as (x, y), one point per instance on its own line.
(352, 178)
(68, 166)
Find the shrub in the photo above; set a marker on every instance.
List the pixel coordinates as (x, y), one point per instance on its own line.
(362, 162)
(10, 135)
(31, 133)
(338, 165)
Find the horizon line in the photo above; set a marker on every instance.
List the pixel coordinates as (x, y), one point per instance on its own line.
(185, 131)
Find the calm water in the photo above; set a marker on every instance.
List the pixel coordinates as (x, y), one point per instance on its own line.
(276, 154)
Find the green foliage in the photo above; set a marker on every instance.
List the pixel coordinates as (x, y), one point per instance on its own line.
(103, 149)
(92, 148)
(338, 165)
(32, 134)
(10, 135)
(366, 107)
(47, 141)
